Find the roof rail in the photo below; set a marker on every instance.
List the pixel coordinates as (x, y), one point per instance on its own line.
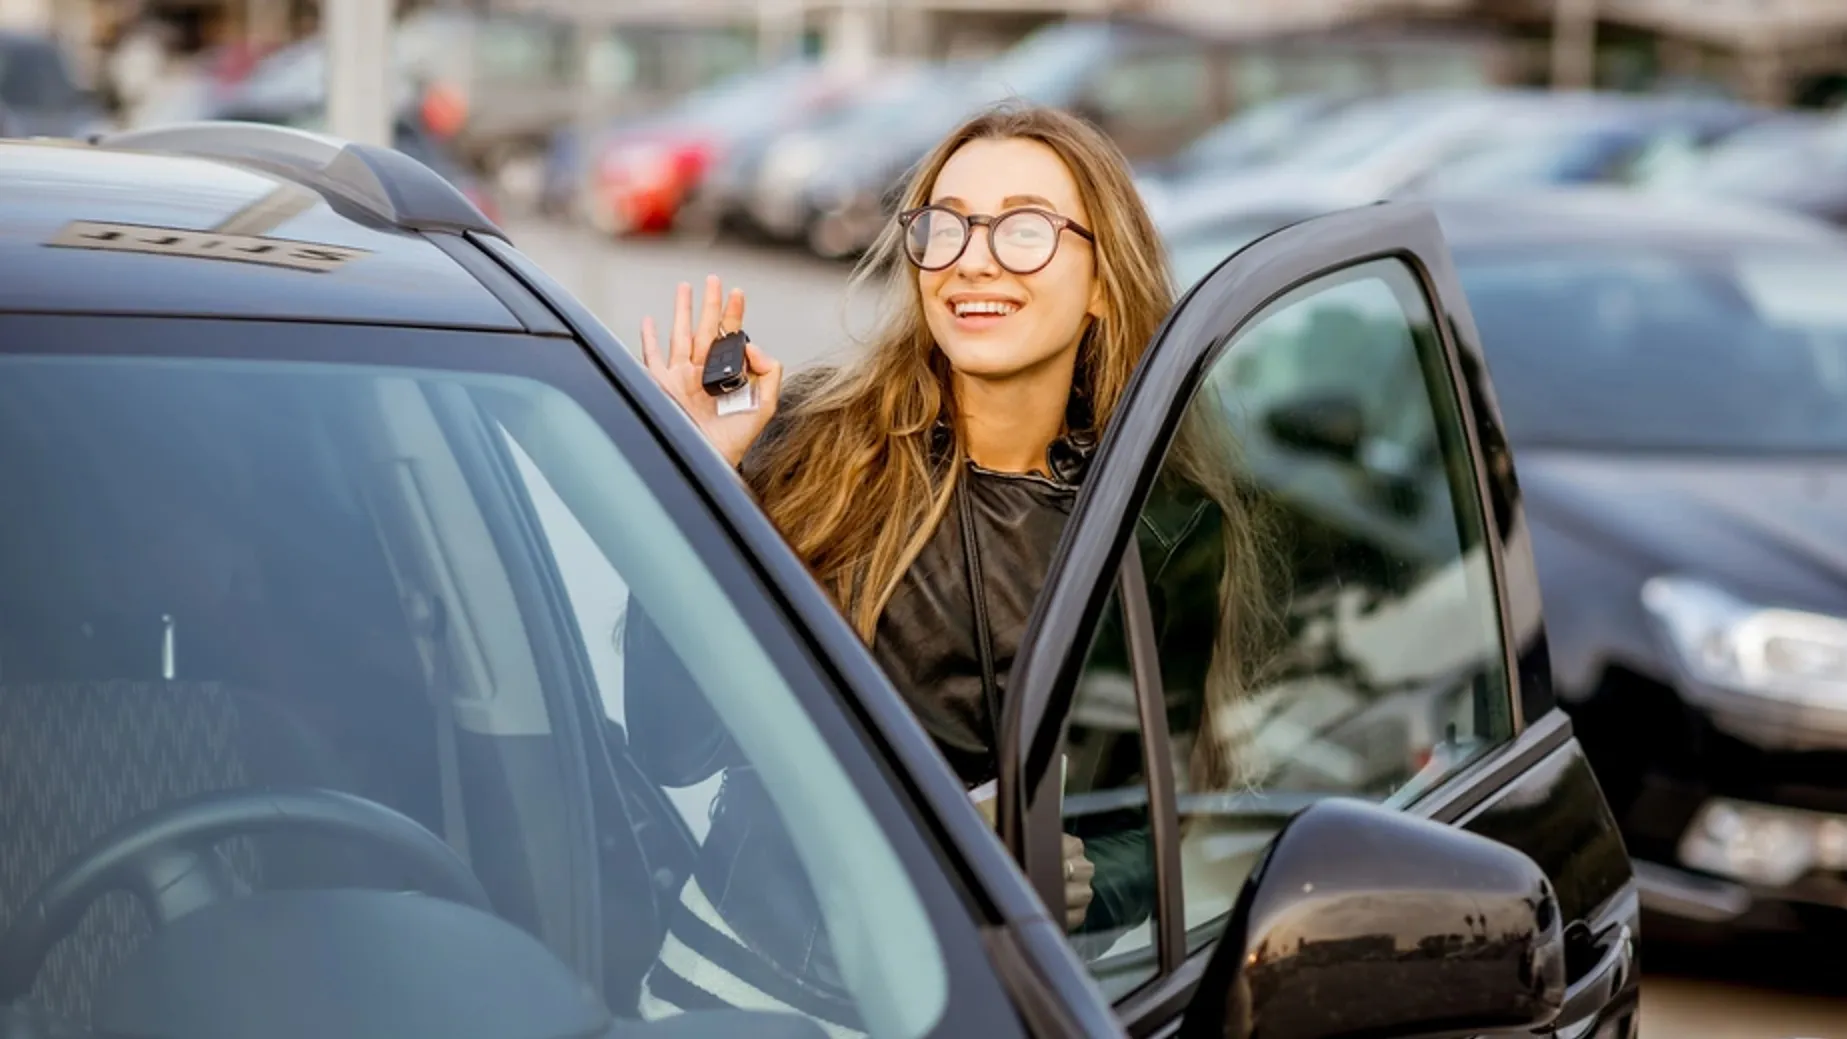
(389, 184)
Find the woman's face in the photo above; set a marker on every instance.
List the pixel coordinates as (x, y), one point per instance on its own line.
(1043, 315)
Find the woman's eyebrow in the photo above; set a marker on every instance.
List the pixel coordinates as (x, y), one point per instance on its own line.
(1027, 200)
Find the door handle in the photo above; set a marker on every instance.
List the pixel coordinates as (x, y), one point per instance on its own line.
(1587, 996)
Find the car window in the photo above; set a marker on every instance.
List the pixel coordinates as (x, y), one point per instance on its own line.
(1645, 349)
(1106, 807)
(34, 77)
(514, 51)
(403, 564)
(1317, 563)
(1164, 87)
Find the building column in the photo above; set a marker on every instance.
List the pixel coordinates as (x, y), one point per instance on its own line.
(360, 86)
(1574, 45)
(26, 15)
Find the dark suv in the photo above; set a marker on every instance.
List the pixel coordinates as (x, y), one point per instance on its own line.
(325, 513)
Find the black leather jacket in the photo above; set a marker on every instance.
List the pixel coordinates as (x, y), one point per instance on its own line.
(929, 641)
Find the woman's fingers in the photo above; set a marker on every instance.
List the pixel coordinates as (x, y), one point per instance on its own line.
(734, 311)
(680, 341)
(768, 371)
(650, 346)
(710, 311)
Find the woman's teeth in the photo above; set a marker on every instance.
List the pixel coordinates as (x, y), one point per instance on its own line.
(966, 308)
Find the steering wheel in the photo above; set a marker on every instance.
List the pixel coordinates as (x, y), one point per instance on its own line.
(167, 860)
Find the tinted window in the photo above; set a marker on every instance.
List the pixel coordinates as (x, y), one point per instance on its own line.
(34, 77)
(1658, 349)
(1326, 619)
(400, 564)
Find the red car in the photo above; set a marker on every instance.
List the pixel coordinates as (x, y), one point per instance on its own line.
(644, 171)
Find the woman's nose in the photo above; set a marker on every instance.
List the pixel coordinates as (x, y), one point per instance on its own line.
(978, 259)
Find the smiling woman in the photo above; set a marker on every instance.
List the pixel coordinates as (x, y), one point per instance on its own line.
(927, 485)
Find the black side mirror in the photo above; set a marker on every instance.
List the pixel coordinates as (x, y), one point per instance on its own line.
(1363, 921)
(1327, 422)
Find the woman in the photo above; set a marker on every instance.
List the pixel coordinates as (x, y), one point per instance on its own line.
(926, 486)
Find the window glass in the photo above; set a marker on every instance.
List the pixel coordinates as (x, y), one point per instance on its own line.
(1317, 563)
(1106, 809)
(390, 565)
(1649, 350)
(1169, 87)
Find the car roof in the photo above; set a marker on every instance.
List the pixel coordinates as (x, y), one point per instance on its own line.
(1551, 218)
(1594, 215)
(136, 225)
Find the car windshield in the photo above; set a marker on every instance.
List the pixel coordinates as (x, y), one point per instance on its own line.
(1255, 135)
(1556, 156)
(1045, 66)
(390, 578)
(33, 76)
(1741, 350)
(1771, 152)
(1359, 133)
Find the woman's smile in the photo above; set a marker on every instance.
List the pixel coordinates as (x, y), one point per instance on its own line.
(981, 312)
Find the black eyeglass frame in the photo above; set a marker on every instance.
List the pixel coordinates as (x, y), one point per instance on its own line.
(970, 221)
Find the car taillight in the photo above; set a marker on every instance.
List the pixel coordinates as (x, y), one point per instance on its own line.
(444, 109)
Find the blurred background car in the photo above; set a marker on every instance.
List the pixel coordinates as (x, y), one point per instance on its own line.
(646, 168)
(1417, 142)
(1797, 162)
(38, 94)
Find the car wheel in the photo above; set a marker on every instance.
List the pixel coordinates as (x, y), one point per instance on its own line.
(834, 236)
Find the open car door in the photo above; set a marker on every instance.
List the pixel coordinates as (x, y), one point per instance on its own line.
(1331, 595)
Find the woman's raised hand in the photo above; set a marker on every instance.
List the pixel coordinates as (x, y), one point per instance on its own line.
(678, 370)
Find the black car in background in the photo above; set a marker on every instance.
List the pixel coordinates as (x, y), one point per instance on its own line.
(39, 96)
(327, 510)
(1674, 379)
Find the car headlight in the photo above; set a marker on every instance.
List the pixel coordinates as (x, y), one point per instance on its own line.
(1788, 656)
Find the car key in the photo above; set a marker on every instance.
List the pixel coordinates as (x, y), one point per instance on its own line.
(726, 369)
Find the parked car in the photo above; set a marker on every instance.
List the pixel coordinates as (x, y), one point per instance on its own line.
(326, 510)
(1795, 163)
(1434, 141)
(1673, 374)
(1612, 139)
(38, 93)
(647, 168)
(754, 187)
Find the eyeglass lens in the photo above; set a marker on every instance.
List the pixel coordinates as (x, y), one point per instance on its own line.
(1022, 241)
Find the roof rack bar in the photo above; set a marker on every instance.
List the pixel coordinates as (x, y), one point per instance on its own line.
(390, 185)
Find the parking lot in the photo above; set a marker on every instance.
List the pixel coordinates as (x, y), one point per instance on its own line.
(800, 309)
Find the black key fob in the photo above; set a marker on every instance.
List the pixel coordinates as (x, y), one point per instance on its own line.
(726, 370)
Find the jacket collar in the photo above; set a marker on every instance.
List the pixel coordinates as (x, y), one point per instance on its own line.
(1067, 459)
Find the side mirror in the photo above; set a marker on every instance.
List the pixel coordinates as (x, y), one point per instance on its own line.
(1362, 921)
(1327, 423)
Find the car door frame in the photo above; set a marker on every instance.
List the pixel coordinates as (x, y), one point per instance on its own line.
(1092, 556)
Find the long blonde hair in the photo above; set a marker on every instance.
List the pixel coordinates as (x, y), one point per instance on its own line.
(856, 482)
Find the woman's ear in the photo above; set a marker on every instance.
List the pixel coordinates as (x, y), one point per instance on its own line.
(1099, 300)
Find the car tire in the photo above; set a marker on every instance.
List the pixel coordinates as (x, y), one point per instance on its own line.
(831, 236)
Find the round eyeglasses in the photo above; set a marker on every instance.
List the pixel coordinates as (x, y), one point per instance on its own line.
(1022, 240)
